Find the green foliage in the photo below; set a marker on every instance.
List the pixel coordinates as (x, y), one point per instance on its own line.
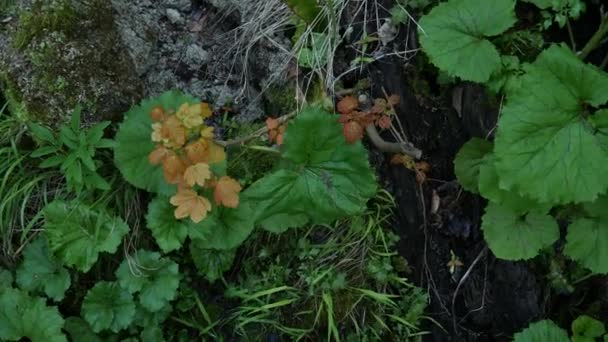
(227, 228)
(73, 151)
(6, 279)
(314, 54)
(549, 143)
(587, 329)
(514, 237)
(39, 271)
(108, 306)
(169, 232)
(211, 263)
(133, 144)
(155, 279)
(542, 331)
(587, 239)
(77, 233)
(559, 11)
(322, 178)
(468, 162)
(307, 10)
(79, 330)
(22, 316)
(455, 36)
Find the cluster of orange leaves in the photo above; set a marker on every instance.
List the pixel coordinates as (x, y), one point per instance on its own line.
(354, 119)
(276, 130)
(421, 168)
(185, 149)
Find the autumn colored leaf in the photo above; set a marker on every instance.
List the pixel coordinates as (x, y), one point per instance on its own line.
(393, 100)
(197, 174)
(347, 104)
(157, 132)
(402, 159)
(207, 133)
(205, 151)
(173, 168)
(226, 192)
(158, 155)
(272, 123)
(190, 204)
(201, 109)
(158, 114)
(216, 153)
(173, 132)
(384, 122)
(353, 132)
(423, 166)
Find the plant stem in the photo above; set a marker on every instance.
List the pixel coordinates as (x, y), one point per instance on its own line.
(391, 147)
(596, 39)
(571, 35)
(256, 134)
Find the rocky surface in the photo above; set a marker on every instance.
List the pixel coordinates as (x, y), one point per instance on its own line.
(107, 55)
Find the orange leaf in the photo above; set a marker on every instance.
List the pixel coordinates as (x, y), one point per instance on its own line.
(189, 203)
(393, 100)
(352, 131)
(174, 132)
(198, 151)
(272, 123)
(197, 174)
(226, 192)
(423, 166)
(384, 122)
(174, 168)
(158, 154)
(347, 104)
(157, 114)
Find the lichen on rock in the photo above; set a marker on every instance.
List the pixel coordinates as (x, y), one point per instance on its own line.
(62, 53)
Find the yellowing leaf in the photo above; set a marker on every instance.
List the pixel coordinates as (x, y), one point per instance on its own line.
(158, 114)
(174, 168)
(192, 115)
(201, 109)
(207, 133)
(173, 132)
(157, 132)
(158, 155)
(189, 203)
(216, 153)
(198, 151)
(197, 174)
(227, 192)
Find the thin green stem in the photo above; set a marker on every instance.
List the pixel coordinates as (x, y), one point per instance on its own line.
(595, 41)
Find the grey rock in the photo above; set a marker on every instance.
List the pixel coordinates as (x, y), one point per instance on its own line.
(195, 57)
(174, 16)
(180, 5)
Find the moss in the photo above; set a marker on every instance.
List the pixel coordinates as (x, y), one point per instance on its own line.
(280, 100)
(66, 53)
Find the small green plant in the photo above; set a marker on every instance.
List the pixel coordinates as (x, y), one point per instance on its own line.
(559, 11)
(584, 329)
(73, 150)
(550, 151)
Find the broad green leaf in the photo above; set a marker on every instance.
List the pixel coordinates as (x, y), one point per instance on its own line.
(108, 306)
(42, 133)
(549, 143)
(168, 231)
(40, 272)
(25, 317)
(6, 279)
(454, 36)
(145, 318)
(211, 263)
(80, 330)
(152, 334)
(77, 233)
(134, 144)
(156, 279)
(489, 189)
(512, 236)
(587, 329)
(322, 176)
(542, 331)
(505, 77)
(227, 228)
(587, 239)
(468, 161)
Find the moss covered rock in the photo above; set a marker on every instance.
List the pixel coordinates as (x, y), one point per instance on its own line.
(61, 53)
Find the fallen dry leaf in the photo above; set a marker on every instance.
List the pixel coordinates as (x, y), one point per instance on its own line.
(189, 203)
(226, 192)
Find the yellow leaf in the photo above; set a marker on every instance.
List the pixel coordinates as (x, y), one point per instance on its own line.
(189, 203)
(173, 132)
(226, 192)
(197, 174)
(216, 153)
(157, 132)
(207, 133)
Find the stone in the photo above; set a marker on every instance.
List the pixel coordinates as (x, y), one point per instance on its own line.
(196, 57)
(174, 16)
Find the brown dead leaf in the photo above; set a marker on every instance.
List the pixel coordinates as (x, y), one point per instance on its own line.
(347, 104)
(226, 192)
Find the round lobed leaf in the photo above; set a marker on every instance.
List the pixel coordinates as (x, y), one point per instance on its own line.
(168, 231)
(211, 263)
(542, 331)
(108, 306)
(468, 162)
(226, 228)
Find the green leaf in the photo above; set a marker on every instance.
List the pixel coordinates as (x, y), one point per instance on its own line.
(323, 177)
(42, 133)
(468, 162)
(39, 271)
(156, 279)
(75, 119)
(68, 138)
(549, 144)
(226, 228)
(307, 10)
(211, 263)
(52, 162)
(106, 143)
(80, 330)
(94, 180)
(542, 4)
(316, 53)
(6, 279)
(542, 331)
(587, 239)
(25, 317)
(133, 144)
(43, 151)
(168, 231)
(108, 306)
(95, 133)
(587, 329)
(512, 236)
(454, 34)
(77, 233)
